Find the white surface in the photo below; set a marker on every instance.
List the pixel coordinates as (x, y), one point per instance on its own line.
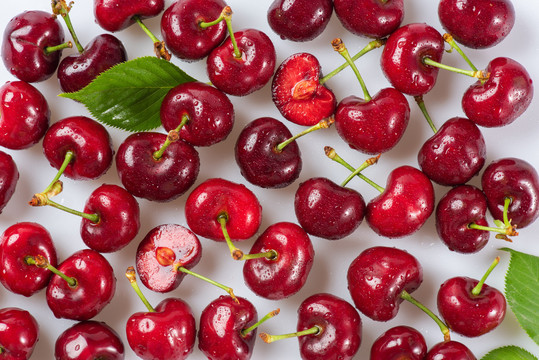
(332, 258)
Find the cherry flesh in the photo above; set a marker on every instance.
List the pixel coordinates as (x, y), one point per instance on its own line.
(116, 15)
(19, 333)
(299, 20)
(9, 177)
(399, 342)
(371, 18)
(24, 115)
(89, 340)
(450, 350)
(297, 93)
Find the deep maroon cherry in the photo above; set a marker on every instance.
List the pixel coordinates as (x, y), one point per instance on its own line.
(24, 115)
(399, 342)
(403, 54)
(454, 154)
(328, 210)
(502, 98)
(371, 18)
(9, 177)
(19, 241)
(299, 20)
(477, 24)
(207, 112)
(89, 340)
(116, 15)
(28, 45)
(183, 32)
(450, 350)
(78, 70)
(19, 333)
(297, 93)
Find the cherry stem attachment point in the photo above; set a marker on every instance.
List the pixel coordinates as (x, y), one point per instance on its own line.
(236, 253)
(132, 277)
(180, 268)
(50, 49)
(448, 38)
(315, 330)
(366, 164)
(504, 228)
(270, 255)
(42, 262)
(245, 332)
(159, 46)
(338, 45)
(60, 7)
(443, 327)
(421, 103)
(172, 136)
(322, 124)
(478, 74)
(477, 288)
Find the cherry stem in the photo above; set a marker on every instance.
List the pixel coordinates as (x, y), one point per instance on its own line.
(180, 268)
(448, 38)
(43, 200)
(207, 24)
(477, 288)
(421, 103)
(159, 46)
(375, 44)
(479, 74)
(332, 154)
(322, 124)
(504, 228)
(366, 164)
(270, 255)
(236, 253)
(338, 45)
(443, 327)
(132, 277)
(42, 262)
(226, 14)
(172, 136)
(68, 157)
(315, 330)
(245, 332)
(50, 49)
(60, 7)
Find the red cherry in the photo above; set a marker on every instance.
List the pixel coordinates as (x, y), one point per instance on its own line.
(450, 350)
(19, 333)
(116, 15)
(372, 18)
(399, 342)
(9, 177)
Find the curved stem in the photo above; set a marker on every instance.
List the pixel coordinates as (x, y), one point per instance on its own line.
(59, 7)
(421, 103)
(443, 327)
(43, 201)
(245, 332)
(479, 74)
(42, 262)
(132, 277)
(67, 160)
(227, 16)
(172, 136)
(315, 330)
(338, 45)
(51, 49)
(270, 255)
(159, 46)
(322, 124)
(448, 38)
(179, 267)
(234, 251)
(504, 228)
(366, 164)
(477, 288)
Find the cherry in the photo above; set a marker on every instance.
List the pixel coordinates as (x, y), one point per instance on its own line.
(9, 177)
(19, 333)
(25, 115)
(187, 28)
(18, 242)
(450, 350)
(477, 24)
(89, 340)
(371, 18)
(116, 15)
(299, 20)
(403, 57)
(32, 45)
(157, 167)
(399, 342)
(204, 113)
(297, 91)
(328, 327)
(279, 262)
(502, 98)
(470, 307)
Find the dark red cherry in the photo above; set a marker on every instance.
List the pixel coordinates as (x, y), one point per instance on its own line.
(116, 15)
(9, 177)
(371, 18)
(19, 333)
(450, 350)
(399, 342)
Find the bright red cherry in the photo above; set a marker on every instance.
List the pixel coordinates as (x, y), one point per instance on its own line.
(399, 342)
(9, 177)
(450, 350)
(371, 18)
(116, 15)
(19, 333)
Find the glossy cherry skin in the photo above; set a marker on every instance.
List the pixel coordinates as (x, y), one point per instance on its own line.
(89, 340)
(477, 24)
(456, 210)
(219, 197)
(119, 219)
(404, 206)
(249, 73)
(163, 179)
(17, 242)
(454, 154)
(182, 33)
(167, 333)
(403, 54)
(221, 323)
(258, 158)
(373, 126)
(19, 333)
(161, 249)
(24, 115)
(95, 287)
(399, 342)
(450, 350)
(77, 71)
(9, 177)
(502, 98)
(283, 276)
(468, 314)
(25, 39)
(340, 328)
(378, 276)
(371, 18)
(328, 210)
(299, 20)
(116, 15)
(297, 93)
(517, 179)
(87, 139)
(210, 113)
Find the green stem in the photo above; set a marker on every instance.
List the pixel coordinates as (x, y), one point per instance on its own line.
(421, 103)
(477, 289)
(172, 136)
(363, 166)
(323, 124)
(42, 262)
(145, 29)
(207, 24)
(338, 45)
(92, 217)
(227, 15)
(479, 74)
(59, 7)
(270, 255)
(132, 277)
(449, 39)
(245, 332)
(487, 228)
(236, 253)
(443, 327)
(504, 228)
(219, 285)
(159, 46)
(315, 330)
(67, 159)
(50, 49)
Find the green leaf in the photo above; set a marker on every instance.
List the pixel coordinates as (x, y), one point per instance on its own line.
(129, 95)
(522, 290)
(510, 352)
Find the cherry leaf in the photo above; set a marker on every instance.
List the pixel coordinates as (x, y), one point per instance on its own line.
(510, 352)
(522, 291)
(129, 95)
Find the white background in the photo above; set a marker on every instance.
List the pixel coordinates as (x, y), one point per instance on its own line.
(332, 258)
